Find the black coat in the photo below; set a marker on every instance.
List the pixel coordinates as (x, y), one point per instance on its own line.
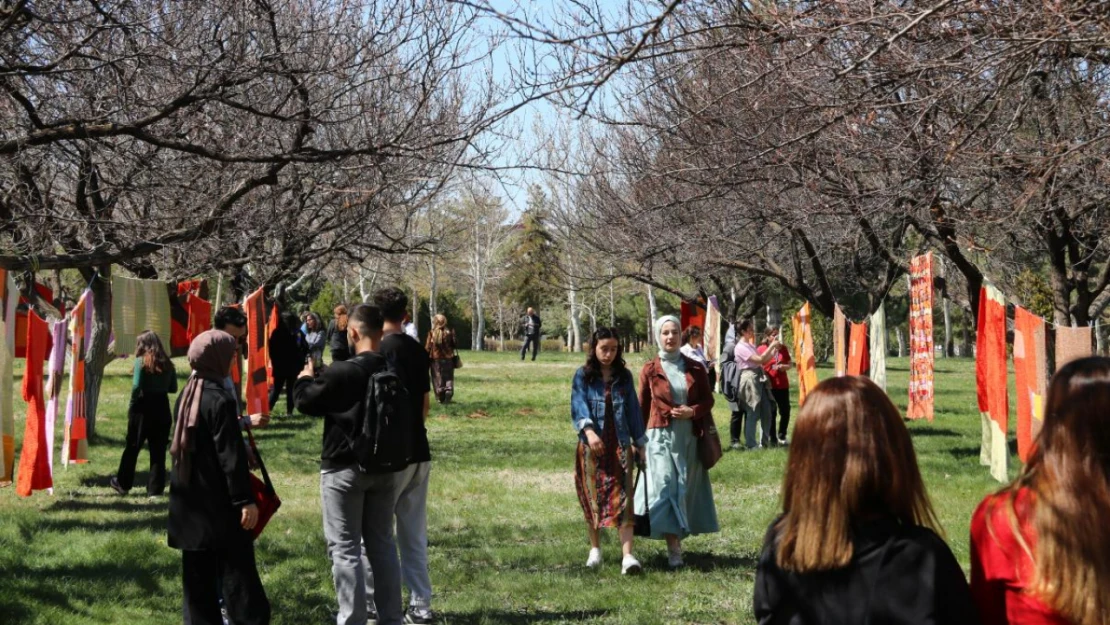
(898, 575)
(288, 352)
(338, 346)
(206, 513)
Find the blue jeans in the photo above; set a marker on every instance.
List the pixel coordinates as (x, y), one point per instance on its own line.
(358, 510)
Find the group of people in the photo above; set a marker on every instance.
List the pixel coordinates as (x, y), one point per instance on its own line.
(756, 385)
(857, 540)
(213, 508)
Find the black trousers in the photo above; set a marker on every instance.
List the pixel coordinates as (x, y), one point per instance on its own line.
(148, 422)
(230, 571)
(782, 400)
(736, 426)
(534, 341)
(279, 381)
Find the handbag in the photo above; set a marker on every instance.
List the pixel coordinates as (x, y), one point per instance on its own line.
(709, 443)
(456, 361)
(264, 494)
(641, 523)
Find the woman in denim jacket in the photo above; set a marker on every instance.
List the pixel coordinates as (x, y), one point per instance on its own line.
(606, 415)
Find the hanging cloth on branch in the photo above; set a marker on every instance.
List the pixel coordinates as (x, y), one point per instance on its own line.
(258, 357)
(922, 358)
(1031, 377)
(878, 347)
(990, 377)
(9, 298)
(34, 464)
(137, 306)
(858, 359)
(54, 386)
(1072, 344)
(75, 444)
(840, 350)
(804, 357)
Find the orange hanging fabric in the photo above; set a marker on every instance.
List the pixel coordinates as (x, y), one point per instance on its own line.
(257, 387)
(840, 352)
(75, 444)
(34, 464)
(1030, 372)
(200, 316)
(804, 358)
(921, 338)
(990, 378)
(858, 356)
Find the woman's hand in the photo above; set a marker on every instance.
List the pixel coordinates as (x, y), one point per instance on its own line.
(594, 441)
(249, 516)
(682, 412)
(638, 454)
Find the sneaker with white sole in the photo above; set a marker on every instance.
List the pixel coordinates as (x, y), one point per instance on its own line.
(594, 560)
(418, 617)
(631, 566)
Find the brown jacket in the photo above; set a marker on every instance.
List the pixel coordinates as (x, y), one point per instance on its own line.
(655, 394)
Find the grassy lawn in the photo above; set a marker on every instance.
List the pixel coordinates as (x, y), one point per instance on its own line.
(508, 542)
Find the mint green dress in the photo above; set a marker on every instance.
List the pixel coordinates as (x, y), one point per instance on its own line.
(679, 495)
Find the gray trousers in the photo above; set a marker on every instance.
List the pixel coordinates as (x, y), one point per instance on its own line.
(412, 534)
(358, 510)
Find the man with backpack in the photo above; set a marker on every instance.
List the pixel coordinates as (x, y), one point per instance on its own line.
(367, 438)
(409, 358)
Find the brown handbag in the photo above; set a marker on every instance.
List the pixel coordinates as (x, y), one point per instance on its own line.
(709, 443)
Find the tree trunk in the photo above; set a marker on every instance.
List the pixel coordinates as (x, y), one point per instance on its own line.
(947, 351)
(97, 357)
(901, 342)
(480, 324)
(219, 301)
(433, 287)
(652, 312)
(1100, 338)
(774, 311)
(416, 310)
(612, 303)
(500, 325)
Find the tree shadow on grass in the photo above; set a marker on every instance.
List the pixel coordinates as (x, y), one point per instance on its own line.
(964, 452)
(128, 504)
(519, 617)
(72, 588)
(704, 562)
(289, 423)
(931, 432)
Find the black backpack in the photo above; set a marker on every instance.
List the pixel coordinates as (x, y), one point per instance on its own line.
(384, 441)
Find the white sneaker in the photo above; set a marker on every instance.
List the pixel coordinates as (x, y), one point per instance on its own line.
(631, 566)
(594, 560)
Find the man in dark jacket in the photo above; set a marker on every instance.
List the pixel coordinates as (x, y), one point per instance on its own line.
(358, 507)
(288, 352)
(531, 325)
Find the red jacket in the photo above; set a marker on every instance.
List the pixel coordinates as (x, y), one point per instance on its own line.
(655, 394)
(779, 379)
(1000, 568)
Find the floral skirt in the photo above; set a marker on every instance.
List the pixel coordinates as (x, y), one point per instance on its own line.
(604, 483)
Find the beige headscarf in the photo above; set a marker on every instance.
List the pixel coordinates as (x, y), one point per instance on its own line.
(210, 357)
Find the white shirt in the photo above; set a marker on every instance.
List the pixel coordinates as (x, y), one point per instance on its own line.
(410, 329)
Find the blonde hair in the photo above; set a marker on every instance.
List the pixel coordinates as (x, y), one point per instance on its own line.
(439, 329)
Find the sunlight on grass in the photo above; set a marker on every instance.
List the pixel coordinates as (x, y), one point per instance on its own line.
(507, 538)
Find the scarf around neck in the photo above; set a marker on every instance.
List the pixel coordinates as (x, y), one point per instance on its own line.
(674, 356)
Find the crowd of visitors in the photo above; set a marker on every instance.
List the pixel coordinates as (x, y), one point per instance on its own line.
(856, 541)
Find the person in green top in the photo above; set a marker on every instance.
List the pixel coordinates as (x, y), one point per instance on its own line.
(148, 416)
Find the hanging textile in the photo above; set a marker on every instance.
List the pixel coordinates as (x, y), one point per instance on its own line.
(9, 298)
(1072, 344)
(858, 359)
(54, 387)
(691, 314)
(200, 316)
(75, 444)
(711, 338)
(257, 387)
(271, 325)
(804, 357)
(878, 347)
(990, 378)
(22, 307)
(1030, 372)
(179, 321)
(137, 306)
(34, 466)
(921, 338)
(840, 351)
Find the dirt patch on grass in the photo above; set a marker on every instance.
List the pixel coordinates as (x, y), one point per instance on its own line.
(478, 414)
(536, 481)
(525, 412)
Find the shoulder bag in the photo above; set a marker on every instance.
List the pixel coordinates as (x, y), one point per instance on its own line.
(264, 494)
(709, 443)
(641, 523)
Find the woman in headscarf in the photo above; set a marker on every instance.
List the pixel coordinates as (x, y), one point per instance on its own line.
(674, 399)
(441, 353)
(212, 506)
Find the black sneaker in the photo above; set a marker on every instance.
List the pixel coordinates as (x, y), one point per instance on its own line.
(114, 483)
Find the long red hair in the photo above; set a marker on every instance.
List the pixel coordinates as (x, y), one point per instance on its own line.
(851, 458)
(1069, 476)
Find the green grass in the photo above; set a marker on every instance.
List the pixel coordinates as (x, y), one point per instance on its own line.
(508, 542)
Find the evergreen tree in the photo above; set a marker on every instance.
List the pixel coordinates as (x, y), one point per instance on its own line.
(532, 261)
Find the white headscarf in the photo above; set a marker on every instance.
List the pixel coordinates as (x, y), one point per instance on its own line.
(676, 355)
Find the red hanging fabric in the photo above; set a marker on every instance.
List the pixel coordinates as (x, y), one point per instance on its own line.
(1030, 373)
(858, 356)
(990, 377)
(34, 464)
(257, 386)
(691, 314)
(922, 357)
(200, 316)
(21, 320)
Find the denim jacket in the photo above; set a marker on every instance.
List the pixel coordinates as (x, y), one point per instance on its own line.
(587, 408)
